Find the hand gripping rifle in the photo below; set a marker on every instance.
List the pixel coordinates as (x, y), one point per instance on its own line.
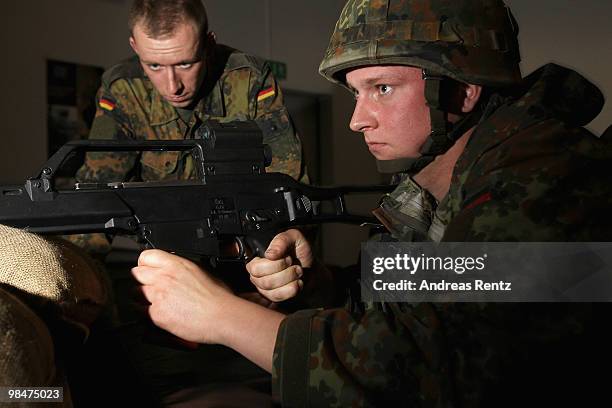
(231, 199)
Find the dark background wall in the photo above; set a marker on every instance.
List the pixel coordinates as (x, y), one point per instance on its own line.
(576, 34)
(93, 32)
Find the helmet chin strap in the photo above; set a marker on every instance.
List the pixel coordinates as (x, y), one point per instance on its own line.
(443, 133)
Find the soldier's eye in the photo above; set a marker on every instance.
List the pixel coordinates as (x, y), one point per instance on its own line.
(185, 65)
(384, 89)
(154, 67)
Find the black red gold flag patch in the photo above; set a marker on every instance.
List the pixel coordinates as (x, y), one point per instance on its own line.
(265, 94)
(107, 105)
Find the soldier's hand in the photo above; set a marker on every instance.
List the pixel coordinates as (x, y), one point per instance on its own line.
(184, 299)
(278, 275)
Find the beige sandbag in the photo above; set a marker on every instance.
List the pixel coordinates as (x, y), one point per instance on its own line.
(24, 339)
(27, 356)
(54, 271)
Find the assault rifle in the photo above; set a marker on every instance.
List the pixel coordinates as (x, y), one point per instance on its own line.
(232, 197)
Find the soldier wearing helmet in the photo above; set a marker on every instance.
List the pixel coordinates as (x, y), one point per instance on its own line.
(480, 154)
(448, 43)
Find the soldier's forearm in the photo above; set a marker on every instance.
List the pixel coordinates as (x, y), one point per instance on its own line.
(251, 330)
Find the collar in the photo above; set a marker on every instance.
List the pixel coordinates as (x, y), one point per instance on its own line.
(161, 112)
(408, 211)
(212, 105)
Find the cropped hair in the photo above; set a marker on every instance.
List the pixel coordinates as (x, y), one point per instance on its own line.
(161, 17)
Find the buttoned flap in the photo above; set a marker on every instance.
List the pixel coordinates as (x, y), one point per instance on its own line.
(158, 165)
(285, 144)
(274, 125)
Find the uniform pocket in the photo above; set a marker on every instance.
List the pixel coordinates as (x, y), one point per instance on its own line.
(275, 125)
(159, 165)
(286, 148)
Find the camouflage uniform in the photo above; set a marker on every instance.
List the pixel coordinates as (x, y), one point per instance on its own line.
(237, 87)
(528, 173)
(129, 107)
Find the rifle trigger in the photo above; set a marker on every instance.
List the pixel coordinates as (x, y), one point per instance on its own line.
(242, 250)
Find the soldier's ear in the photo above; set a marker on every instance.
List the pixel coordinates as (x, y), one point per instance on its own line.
(471, 97)
(133, 44)
(208, 43)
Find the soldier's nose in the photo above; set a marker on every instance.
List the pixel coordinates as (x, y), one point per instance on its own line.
(175, 87)
(362, 118)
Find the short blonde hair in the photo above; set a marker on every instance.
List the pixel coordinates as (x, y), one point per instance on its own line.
(161, 17)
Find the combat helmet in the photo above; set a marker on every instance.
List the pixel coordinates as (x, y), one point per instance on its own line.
(470, 41)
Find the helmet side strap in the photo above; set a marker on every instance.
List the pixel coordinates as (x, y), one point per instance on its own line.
(438, 141)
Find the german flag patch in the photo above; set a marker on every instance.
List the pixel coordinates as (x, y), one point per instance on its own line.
(107, 105)
(265, 94)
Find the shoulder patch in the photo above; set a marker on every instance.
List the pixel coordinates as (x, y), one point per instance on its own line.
(126, 69)
(265, 94)
(106, 104)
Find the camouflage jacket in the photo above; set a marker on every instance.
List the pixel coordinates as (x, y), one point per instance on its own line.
(237, 87)
(528, 173)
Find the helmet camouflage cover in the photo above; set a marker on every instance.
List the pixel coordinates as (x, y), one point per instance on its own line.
(472, 41)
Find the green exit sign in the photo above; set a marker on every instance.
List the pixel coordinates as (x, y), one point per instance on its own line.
(279, 69)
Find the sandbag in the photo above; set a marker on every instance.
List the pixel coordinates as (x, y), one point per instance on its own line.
(44, 272)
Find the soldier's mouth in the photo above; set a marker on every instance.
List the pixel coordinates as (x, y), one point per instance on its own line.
(179, 99)
(180, 102)
(375, 147)
(374, 144)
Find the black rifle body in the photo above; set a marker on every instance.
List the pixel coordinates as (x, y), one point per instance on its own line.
(232, 198)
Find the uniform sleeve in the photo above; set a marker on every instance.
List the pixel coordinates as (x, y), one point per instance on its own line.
(272, 116)
(378, 357)
(110, 122)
